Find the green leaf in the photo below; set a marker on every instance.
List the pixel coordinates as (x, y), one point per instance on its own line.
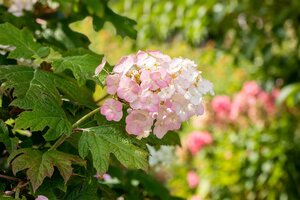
(150, 184)
(86, 190)
(103, 140)
(40, 165)
(38, 92)
(171, 138)
(22, 42)
(289, 94)
(124, 25)
(10, 143)
(49, 187)
(82, 66)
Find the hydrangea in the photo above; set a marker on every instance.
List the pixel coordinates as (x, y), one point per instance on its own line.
(159, 91)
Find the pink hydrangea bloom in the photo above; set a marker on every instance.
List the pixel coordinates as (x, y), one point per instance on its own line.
(156, 88)
(112, 110)
(166, 120)
(192, 179)
(161, 78)
(139, 123)
(100, 67)
(124, 65)
(197, 139)
(128, 89)
(112, 83)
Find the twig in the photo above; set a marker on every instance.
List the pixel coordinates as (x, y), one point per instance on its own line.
(75, 125)
(10, 178)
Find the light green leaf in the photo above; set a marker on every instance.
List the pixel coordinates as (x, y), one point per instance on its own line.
(40, 165)
(82, 66)
(21, 42)
(289, 94)
(39, 92)
(103, 140)
(10, 143)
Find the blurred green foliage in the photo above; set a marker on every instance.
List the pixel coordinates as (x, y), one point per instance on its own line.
(264, 32)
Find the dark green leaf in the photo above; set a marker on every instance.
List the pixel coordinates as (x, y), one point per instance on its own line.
(40, 165)
(10, 143)
(22, 42)
(124, 25)
(82, 66)
(103, 140)
(38, 92)
(171, 138)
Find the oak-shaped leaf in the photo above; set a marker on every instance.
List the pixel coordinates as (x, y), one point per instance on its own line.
(83, 67)
(39, 165)
(105, 140)
(39, 93)
(21, 42)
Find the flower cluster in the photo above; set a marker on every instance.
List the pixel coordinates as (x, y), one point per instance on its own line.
(252, 102)
(158, 90)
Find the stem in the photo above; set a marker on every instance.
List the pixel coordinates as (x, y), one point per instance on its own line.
(85, 117)
(102, 98)
(75, 125)
(9, 178)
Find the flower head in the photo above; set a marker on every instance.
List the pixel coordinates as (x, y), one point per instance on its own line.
(160, 92)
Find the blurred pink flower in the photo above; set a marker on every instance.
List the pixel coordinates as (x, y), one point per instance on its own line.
(195, 197)
(221, 106)
(239, 103)
(251, 88)
(197, 139)
(267, 101)
(192, 179)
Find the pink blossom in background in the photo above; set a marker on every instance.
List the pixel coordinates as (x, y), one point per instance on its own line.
(192, 179)
(197, 139)
(268, 102)
(239, 105)
(221, 106)
(251, 88)
(41, 197)
(195, 197)
(112, 110)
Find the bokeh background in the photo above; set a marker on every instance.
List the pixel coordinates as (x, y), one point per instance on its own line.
(247, 144)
